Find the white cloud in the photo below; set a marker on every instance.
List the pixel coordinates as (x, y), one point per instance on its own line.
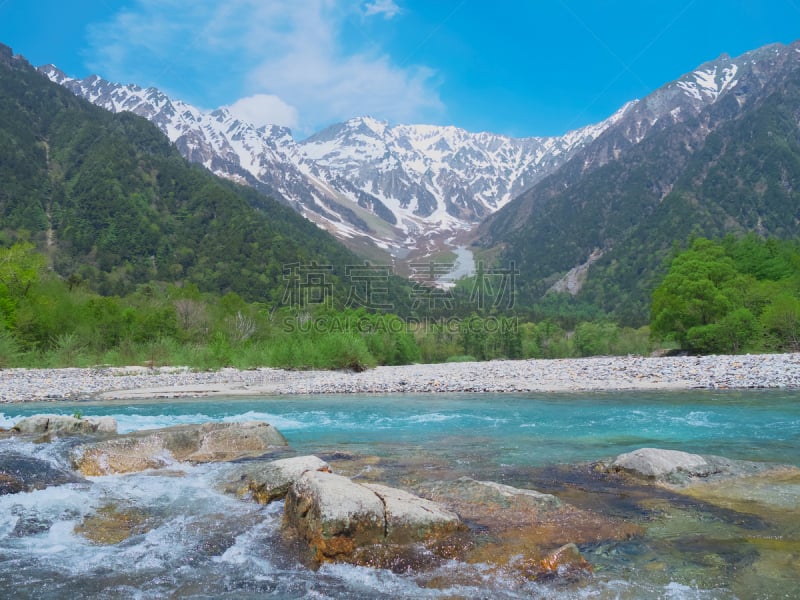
(387, 8)
(291, 54)
(265, 109)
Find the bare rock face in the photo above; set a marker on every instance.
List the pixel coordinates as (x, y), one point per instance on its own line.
(209, 442)
(410, 518)
(334, 515)
(65, 425)
(363, 524)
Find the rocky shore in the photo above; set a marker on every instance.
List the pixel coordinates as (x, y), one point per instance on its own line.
(560, 375)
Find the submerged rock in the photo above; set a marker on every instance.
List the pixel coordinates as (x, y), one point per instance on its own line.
(112, 524)
(362, 524)
(22, 473)
(523, 532)
(208, 442)
(678, 468)
(566, 560)
(65, 425)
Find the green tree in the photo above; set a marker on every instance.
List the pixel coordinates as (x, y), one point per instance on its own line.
(20, 268)
(698, 290)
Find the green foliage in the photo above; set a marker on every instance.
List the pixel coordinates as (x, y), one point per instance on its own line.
(460, 358)
(594, 339)
(67, 350)
(781, 323)
(20, 268)
(9, 349)
(730, 296)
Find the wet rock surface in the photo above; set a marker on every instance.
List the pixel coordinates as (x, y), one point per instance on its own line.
(521, 530)
(208, 442)
(23, 473)
(113, 524)
(266, 482)
(65, 425)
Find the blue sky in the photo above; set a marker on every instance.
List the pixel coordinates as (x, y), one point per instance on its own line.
(508, 66)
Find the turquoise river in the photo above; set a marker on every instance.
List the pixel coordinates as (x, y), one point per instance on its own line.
(203, 543)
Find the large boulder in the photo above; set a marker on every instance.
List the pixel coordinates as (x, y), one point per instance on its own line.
(266, 482)
(208, 442)
(22, 473)
(343, 520)
(334, 514)
(65, 425)
(410, 518)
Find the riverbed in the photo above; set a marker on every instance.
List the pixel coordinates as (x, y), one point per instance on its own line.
(198, 542)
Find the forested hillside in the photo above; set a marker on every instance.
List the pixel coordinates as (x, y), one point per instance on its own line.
(734, 167)
(113, 204)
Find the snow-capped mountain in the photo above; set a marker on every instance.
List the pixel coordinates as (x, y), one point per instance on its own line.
(395, 186)
(408, 187)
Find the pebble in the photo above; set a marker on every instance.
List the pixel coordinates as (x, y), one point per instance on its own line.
(781, 371)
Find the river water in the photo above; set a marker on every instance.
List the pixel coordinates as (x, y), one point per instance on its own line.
(195, 541)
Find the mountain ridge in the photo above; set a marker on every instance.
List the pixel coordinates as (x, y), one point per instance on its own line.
(363, 179)
(567, 210)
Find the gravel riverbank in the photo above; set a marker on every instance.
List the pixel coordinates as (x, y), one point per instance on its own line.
(561, 375)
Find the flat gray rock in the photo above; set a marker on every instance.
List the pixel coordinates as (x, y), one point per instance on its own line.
(656, 462)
